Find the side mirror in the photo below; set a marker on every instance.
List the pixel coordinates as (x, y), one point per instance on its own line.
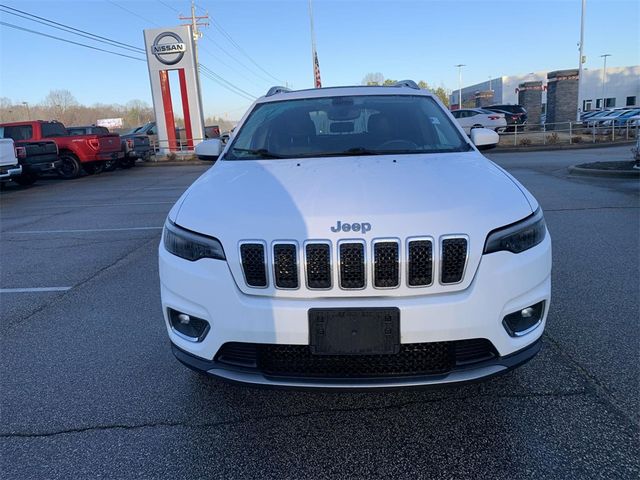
(484, 138)
(209, 150)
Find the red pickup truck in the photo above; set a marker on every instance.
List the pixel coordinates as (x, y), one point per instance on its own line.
(76, 152)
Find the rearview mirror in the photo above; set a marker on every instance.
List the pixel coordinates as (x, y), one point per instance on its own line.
(209, 150)
(484, 138)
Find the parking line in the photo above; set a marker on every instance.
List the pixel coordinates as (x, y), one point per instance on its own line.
(88, 230)
(33, 290)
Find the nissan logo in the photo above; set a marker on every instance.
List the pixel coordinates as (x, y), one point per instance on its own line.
(168, 48)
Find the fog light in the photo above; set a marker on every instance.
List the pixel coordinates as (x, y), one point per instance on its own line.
(188, 327)
(523, 321)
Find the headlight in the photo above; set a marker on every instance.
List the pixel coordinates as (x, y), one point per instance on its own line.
(189, 245)
(519, 236)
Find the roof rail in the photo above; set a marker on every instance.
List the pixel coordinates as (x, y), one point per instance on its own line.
(274, 90)
(406, 83)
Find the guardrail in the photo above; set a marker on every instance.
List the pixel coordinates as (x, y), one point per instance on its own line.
(567, 133)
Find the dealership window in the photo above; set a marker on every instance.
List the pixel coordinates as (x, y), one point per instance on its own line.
(631, 101)
(598, 103)
(609, 102)
(586, 105)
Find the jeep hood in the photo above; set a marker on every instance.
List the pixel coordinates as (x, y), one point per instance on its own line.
(399, 195)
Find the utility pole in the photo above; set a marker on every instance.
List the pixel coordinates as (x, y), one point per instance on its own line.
(460, 65)
(604, 78)
(581, 60)
(195, 22)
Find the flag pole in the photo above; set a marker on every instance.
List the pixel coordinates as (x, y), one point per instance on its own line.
(314, 54)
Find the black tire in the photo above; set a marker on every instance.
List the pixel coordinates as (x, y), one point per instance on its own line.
(127, 162)
(110, 165)
(93, 168)
(26, 179)
(70, 166)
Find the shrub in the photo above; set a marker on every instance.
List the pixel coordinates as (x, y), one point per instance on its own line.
(576, 139)
(553, 138)
(525, 142)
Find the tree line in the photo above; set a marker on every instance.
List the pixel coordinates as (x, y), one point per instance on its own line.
(377, 78)
(62, 106)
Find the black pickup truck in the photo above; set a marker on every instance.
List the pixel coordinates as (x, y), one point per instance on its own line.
(36, 158)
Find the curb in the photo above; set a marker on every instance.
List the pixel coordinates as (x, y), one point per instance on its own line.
(596, 172)
(173, 164)
(544, 148)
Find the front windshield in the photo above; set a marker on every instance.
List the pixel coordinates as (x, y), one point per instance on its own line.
(337, 126)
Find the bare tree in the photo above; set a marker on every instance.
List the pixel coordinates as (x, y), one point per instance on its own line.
(373, 79)
(60, 104)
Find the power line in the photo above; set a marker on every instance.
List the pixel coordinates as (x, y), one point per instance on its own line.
(69, 28)
(240, 49)
(206, 75)
(169, 6)
(134, 13)
(10, 25)
(230, 86)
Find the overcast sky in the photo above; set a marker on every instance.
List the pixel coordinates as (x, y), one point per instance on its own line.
(421, 40)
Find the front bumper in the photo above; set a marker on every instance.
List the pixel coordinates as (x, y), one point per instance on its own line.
(476, 372)
(8, 172)
(503, 283)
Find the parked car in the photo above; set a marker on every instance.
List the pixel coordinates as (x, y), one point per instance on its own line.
(518, 110)
(513, 119)
(131, 146)
(469, 118)
(148, 130)
(77, 152)
(36, 157)
(354, 250)
(9, 166)
(618, 119)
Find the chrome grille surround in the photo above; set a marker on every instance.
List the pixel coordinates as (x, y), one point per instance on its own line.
(319, 264)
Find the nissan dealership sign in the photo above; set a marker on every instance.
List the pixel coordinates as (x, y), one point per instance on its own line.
(173, 74)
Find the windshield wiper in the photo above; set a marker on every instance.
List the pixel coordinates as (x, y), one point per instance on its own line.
(361, 151)
(260, 152)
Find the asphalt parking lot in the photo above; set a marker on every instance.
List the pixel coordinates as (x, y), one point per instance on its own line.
(89, 387)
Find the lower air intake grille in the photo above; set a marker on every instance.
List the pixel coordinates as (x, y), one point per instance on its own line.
(318, 265)
(413, 359)
(433, 358)
(253, 264)
(385, 258)
(454, 259)
(285, 265)
(420, 271)
(352, 265)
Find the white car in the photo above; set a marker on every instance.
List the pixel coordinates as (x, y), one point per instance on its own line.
(354, 237)
(470, 118)
(9, 167)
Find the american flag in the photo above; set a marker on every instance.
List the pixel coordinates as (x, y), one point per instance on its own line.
(316, 70)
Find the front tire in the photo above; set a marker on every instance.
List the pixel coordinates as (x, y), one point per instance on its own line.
(69, 166)
(110, 165)
(93, 168)
(26, 179)
(127, 162)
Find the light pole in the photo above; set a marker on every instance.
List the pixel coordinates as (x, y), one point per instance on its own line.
(460, 65)
(604, 77)
(581, 59)
(26, 104)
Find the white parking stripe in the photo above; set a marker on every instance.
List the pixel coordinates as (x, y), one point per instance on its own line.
(32, 290)
(88, 230)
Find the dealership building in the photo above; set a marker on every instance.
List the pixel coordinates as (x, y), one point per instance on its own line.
(621, 89)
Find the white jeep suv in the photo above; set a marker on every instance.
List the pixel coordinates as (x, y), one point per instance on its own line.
(354, 237)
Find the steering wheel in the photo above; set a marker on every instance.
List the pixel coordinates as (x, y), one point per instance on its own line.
(399, 145)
